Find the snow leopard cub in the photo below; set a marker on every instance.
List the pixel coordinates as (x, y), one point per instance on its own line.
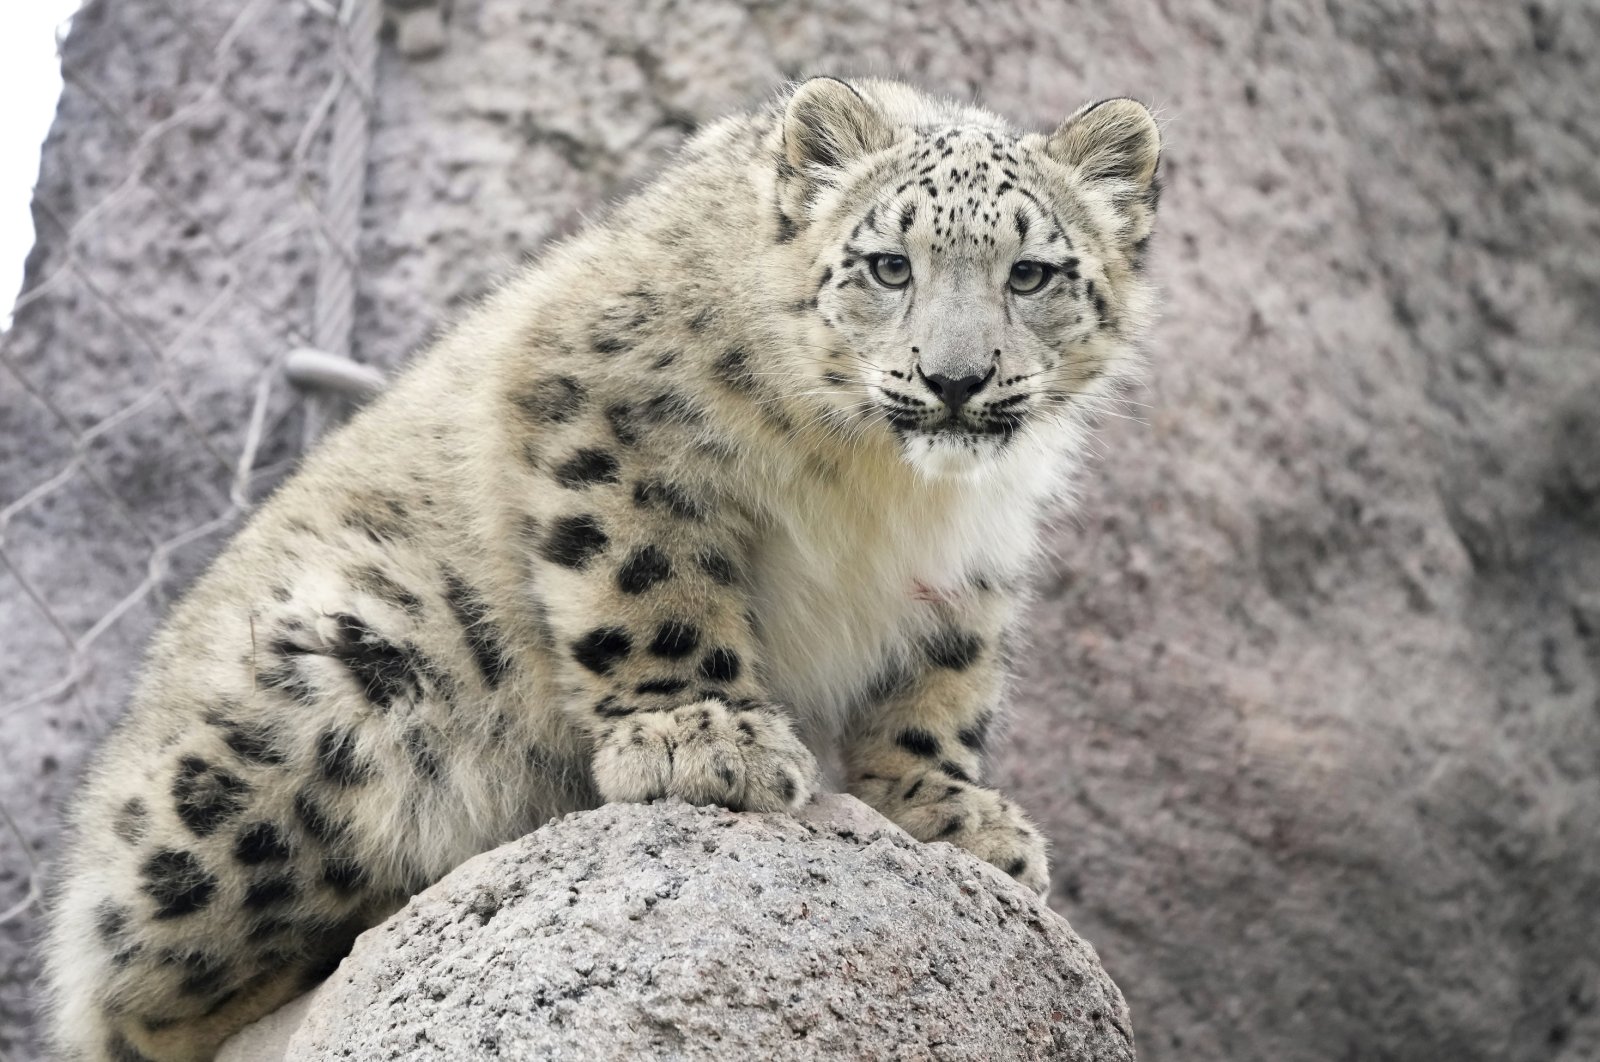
(749, 469)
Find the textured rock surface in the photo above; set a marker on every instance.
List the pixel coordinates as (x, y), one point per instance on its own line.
(1313, 716)
(676, 932)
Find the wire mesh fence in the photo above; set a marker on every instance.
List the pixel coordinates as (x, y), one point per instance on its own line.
(135, 438)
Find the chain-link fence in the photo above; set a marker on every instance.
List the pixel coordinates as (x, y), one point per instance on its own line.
(134, 443)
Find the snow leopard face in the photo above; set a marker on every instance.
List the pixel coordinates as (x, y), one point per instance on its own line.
(978, 284)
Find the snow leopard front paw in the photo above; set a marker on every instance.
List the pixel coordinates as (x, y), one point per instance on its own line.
(708, 752)
(932, 806)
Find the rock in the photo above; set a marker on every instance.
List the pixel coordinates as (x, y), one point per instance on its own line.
(419, 30)
(676, 932)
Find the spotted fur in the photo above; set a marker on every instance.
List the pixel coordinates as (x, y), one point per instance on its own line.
(678, 507)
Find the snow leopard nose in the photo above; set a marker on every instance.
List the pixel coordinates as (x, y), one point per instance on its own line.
(953, 391)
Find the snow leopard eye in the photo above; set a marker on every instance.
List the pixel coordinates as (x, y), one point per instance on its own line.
(891, 270)
(1029, 277)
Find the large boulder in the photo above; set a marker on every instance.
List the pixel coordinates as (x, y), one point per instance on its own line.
(677, 932)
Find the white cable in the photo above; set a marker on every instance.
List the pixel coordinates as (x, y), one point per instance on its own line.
(318, 370)
(333, 320)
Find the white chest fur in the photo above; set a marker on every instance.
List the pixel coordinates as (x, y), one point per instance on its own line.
(846, 574)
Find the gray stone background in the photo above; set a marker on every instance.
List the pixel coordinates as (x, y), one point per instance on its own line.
(1312, 716)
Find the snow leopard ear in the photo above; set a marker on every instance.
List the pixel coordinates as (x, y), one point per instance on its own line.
(1111, 140)
(829, 124)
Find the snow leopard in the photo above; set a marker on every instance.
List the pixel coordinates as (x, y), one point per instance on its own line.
(751, 471)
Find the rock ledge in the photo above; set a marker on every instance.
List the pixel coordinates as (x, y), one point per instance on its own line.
(673, 931)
